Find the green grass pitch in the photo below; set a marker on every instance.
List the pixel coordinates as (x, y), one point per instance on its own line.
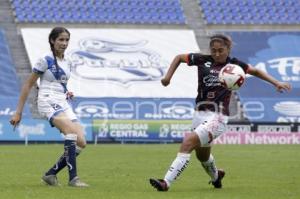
(122, 171)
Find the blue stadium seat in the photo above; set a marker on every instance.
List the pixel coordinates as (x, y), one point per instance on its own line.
(252, 11)
(76, 11)
(9, 84)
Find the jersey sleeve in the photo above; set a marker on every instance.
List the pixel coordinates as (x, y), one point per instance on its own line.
(194, 59)
(242, 64)
(40, 67)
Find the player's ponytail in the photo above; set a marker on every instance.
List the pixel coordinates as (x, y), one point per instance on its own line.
(52, 37)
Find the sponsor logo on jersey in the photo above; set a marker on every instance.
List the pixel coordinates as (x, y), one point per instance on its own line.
(211, 80)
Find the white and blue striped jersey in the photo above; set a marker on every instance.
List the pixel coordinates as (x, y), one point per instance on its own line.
(53, 87)
(52, 81)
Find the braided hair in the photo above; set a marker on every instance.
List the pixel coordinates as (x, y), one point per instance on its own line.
(55, 32)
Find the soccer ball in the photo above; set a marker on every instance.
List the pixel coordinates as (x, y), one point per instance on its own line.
(232, 76)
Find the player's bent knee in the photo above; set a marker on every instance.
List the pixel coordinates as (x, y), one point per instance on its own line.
(81, 143)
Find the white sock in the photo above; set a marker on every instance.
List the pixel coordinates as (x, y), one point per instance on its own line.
(71, 137)
(210, 167)
(177, 167)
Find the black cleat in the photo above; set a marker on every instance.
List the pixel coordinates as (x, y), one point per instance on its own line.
(159, 184)
(218, 183)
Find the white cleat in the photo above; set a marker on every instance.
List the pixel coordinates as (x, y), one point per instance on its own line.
(75, 182)
(50, 180)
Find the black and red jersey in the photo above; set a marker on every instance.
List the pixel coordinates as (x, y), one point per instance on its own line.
(211, 95)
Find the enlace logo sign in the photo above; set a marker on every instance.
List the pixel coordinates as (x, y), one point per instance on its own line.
(98, 109)
(289, 110)
(181, 110)
(91, 109)
(178, 112)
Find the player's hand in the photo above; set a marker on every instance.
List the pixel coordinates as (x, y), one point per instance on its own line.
(165, 81)
(15, 120)
(69, 95)
(283, 86)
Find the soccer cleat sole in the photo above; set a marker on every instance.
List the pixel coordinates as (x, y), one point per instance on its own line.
(159, 185)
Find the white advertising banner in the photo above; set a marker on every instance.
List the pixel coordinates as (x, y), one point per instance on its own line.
(122, 62)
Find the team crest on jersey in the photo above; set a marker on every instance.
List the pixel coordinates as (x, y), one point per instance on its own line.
(119, 62)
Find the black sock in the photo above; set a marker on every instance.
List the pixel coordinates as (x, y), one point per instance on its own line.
(60, 164)
(70, 154)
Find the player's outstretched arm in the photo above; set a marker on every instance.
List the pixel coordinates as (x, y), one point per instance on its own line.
(16, 118)
(174, 65)
(280, 86)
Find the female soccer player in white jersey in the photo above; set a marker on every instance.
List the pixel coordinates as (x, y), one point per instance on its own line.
(212, 108)
(53, 103)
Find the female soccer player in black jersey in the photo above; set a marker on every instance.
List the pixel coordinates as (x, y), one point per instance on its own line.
(211, 111)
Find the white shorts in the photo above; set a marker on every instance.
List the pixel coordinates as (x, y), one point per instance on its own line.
(50, 107)
(208, 126)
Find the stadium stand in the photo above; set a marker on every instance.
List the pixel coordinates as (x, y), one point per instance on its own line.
(9, 85)
(250, 11)
(100, 11)
(9, 82)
